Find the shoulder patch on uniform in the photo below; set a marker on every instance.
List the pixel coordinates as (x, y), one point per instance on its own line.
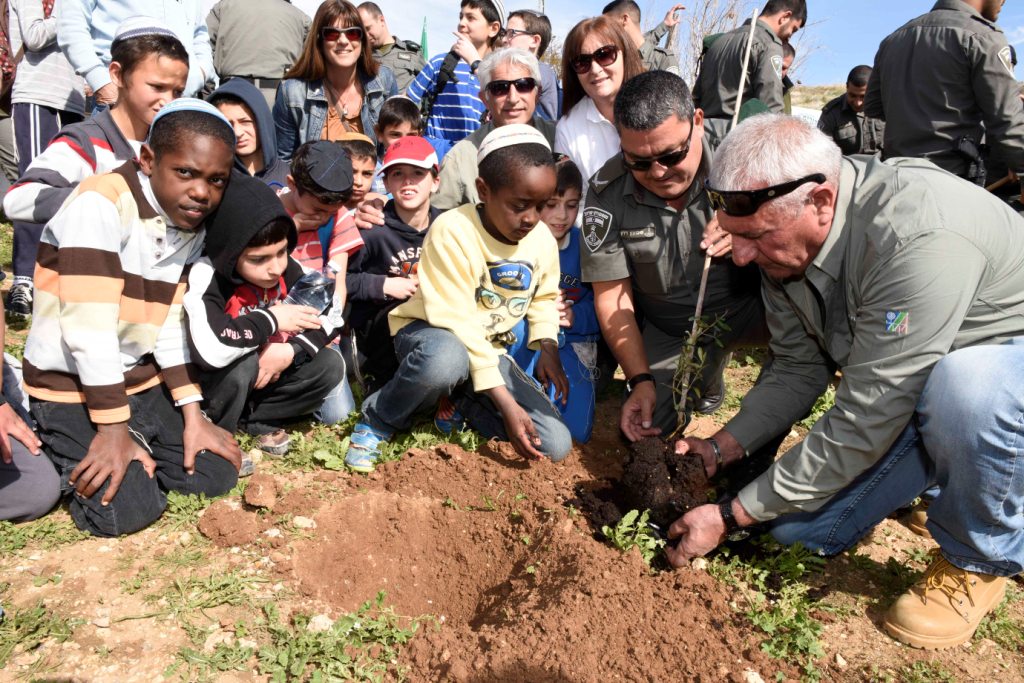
(1006, 57)
(777, 65)
(596, 223)
(897, 322)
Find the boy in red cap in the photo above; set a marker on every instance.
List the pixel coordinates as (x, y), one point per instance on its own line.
(383, 273)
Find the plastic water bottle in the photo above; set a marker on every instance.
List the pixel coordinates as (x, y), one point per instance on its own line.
(313, 289)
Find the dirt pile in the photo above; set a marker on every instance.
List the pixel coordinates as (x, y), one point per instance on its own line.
(518, 585)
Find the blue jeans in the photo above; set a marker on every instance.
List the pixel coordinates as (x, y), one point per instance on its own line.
(966, 437)
(434, 363)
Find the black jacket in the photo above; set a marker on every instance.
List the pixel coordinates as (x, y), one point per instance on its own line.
(274, 171)
(227, 316)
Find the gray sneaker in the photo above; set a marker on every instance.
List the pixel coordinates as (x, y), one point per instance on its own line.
(19, 300)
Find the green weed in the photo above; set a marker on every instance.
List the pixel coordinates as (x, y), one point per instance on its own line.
(26, 629)
(632, 531)
(362, 645)
(183, 511)
(196, 593)
(821, 406)
(925, 672)
(775, 596)
(1000, 627)
(49, 532)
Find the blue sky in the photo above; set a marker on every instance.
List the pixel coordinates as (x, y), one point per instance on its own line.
(843, 33)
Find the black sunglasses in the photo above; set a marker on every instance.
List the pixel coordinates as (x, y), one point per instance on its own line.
(747, 202)
(667, 160)
(604, 56)
(353, 34)
(502, 88)
(511, 33)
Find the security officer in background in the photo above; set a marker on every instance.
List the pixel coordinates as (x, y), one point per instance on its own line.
(647, 225)
(844, 121)
(718, 82)
(403, 57)
(945, 81)
(627, 14)
(788, 57)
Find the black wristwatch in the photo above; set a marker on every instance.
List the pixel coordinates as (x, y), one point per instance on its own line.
(733, 530)
(638, 379)
(474, 66)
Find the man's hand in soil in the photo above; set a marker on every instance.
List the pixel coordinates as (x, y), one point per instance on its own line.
(700, 531)
(202, 435)
(11, 425)
(549, 370)
(637, 421)
(370, 213)
(518, 424)
(702, 448)
(110, 453)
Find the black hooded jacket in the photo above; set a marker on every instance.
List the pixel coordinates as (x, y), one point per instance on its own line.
(274, 170)
(391, 250)
(227, 316)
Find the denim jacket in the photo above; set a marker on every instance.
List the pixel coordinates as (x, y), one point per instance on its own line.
(300, 109)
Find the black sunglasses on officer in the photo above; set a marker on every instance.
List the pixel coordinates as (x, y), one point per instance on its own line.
(666, 160)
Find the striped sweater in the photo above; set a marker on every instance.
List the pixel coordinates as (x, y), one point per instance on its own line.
(108, 319)
(80, 150)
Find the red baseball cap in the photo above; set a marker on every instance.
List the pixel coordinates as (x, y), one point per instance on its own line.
(412, 150)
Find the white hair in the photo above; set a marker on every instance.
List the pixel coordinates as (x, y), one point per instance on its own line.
(769, 149)
(513, 56)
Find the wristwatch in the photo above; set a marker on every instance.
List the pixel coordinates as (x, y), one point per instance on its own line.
(638, 379)
(733, 530)
(474, 66)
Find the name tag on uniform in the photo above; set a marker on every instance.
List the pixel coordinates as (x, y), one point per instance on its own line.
(405, 55)
(637, 233)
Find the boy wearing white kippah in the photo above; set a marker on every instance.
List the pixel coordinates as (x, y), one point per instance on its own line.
(483, 269)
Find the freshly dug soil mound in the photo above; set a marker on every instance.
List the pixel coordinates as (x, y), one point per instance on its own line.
(520, 589)
(667, 484)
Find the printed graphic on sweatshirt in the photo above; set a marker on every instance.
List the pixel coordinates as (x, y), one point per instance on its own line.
(505, 292)
(405, 262)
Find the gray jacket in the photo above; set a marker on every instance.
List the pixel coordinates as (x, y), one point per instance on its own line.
(942, 76)
(917, 264)
(404, 59)
(718, 82)
(258, 38)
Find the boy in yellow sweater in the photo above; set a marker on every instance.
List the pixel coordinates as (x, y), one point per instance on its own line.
(483, 269)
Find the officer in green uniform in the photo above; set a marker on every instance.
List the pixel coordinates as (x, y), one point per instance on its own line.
(627, 14)
(843, 119)
(645, 232)
(912, 282)
(945, 81)
(403, 57)
(718, 82)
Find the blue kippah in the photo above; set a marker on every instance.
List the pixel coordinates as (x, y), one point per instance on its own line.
(190, 104)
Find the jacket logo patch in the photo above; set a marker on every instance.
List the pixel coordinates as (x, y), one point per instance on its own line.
(897, 322)
(637, 234)
(596, 223)
(1006, 57)
(777, 65)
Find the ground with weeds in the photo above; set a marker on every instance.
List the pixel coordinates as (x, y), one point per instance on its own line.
(456, 561)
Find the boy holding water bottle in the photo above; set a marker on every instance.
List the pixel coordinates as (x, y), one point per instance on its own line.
(268, 358)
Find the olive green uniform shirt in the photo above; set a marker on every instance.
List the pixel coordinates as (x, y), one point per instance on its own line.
(404, 59)
(854, 133)
(718, 82)
(629, 232)
(945, 75)
(917, 263)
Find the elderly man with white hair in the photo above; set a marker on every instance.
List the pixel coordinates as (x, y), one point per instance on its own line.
(911, 281)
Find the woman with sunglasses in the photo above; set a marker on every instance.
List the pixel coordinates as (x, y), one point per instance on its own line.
(597, 59)
(336, 87)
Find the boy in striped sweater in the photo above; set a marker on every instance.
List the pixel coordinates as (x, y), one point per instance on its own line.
(149, 67)
(106, 363)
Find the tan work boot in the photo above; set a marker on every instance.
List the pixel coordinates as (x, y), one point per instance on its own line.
(918, 517)
(944, 608)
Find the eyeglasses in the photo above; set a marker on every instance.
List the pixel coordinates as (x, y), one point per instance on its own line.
(667, 160)
(604, 56)
(491, 300)
(353, 34)
(511, 33)
(747, 202)
(502, 88)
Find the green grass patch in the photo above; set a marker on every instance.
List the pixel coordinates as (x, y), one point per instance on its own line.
(25, 629)
(632, 531)
(775, 596)
(49, 532)
(1002, 628)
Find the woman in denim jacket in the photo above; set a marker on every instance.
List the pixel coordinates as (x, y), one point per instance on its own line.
(335, 87)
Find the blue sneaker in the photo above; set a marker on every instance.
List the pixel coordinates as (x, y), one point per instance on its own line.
(364, 448)
(448, 419)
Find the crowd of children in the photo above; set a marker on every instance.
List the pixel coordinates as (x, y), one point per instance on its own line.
(170, 308)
